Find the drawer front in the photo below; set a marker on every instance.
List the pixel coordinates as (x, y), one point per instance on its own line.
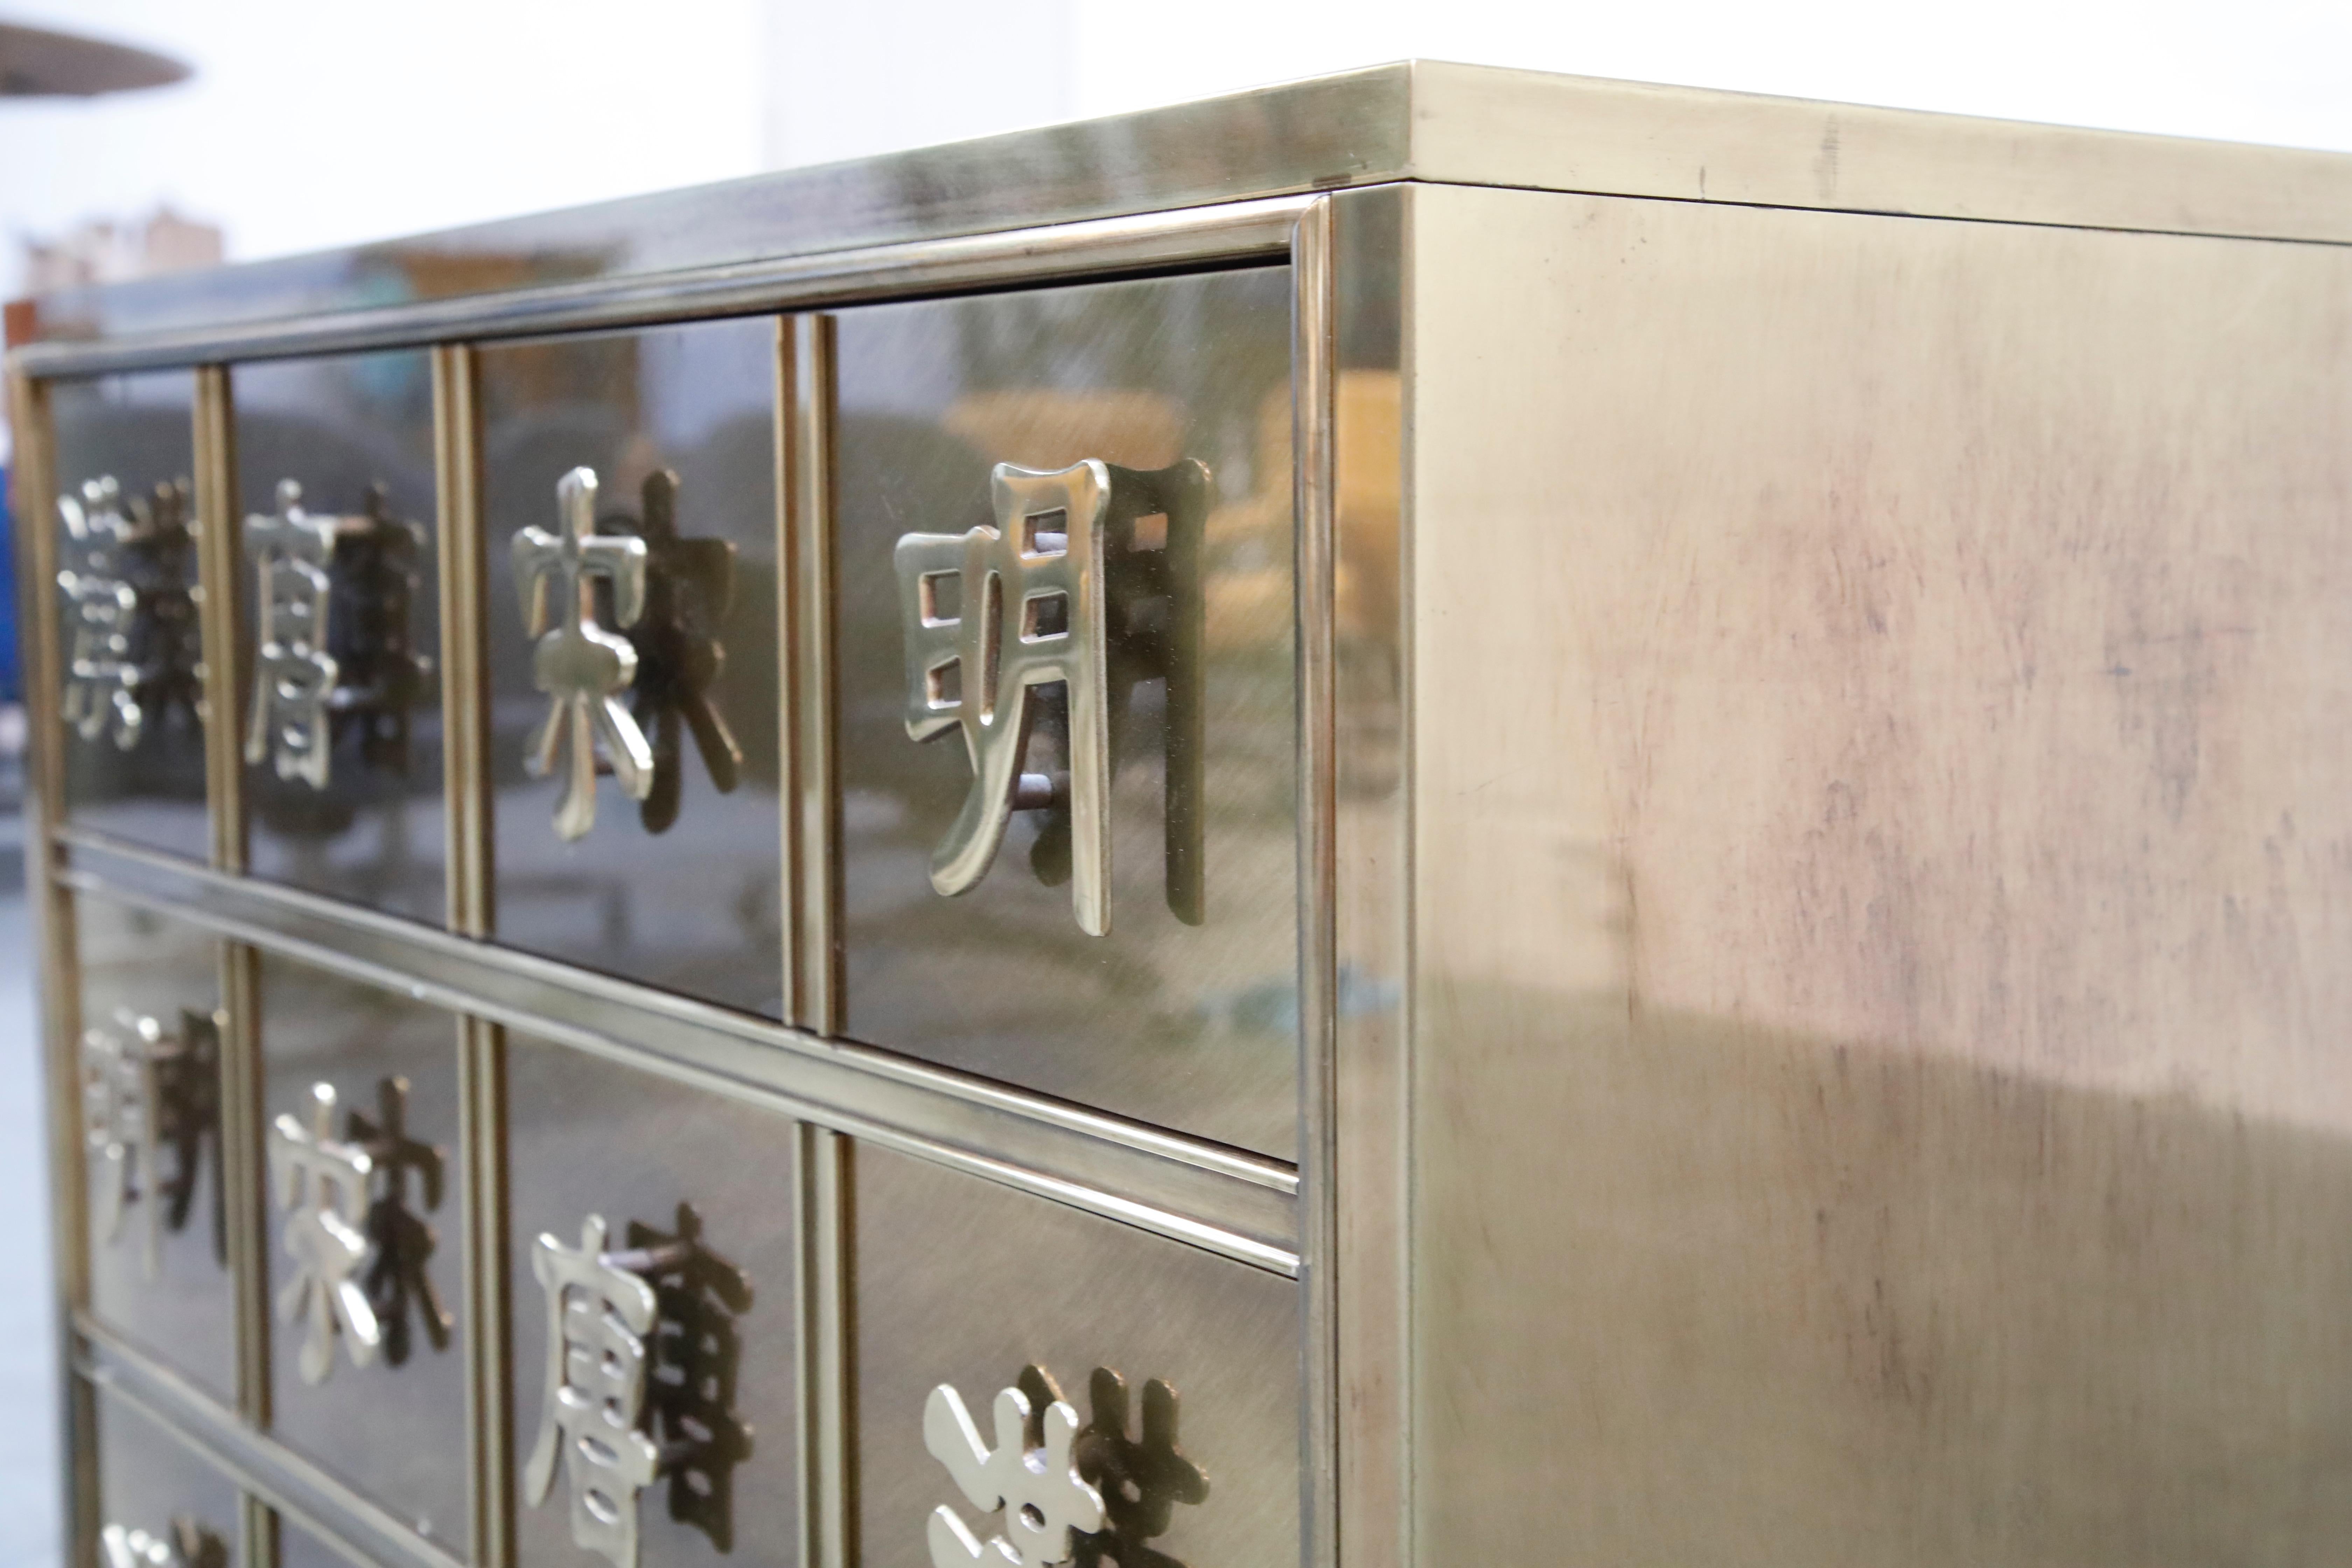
(339, 702)
(364, 1194)
(666, 865)
(702, 1191)
(1179, 1369)
(155, 1495)
(129, 664)
(148, 1061)
(1119, 929)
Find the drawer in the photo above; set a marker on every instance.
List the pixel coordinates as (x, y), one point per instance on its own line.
(339, 694)
(129, 663)
(1093, 895)
(365, 1191)
(1179, 1370)
(681, 1313)
(153, 1490)
(633, 694)
(149, 1064)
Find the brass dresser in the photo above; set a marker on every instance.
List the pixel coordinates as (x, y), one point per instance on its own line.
(1439, 816)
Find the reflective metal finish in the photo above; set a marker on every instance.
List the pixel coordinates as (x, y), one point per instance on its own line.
(673, 1318)
(163, 1507)
(963, 1284)
(1182, 1024)
(1422, 119)
(171, 1290)
(132, 674)
(1882, 1003)
(1213, 1197)
(340, 771)
(361, 1088)
(668, 897)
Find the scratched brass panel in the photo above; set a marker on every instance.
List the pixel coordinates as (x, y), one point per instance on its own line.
(960, 1282)
(182, 1311)
(138, 430)
(338, 427)
(592, 1137)
(1190, 1026)
(394, 1429)
(1882, 863)
(693, 907)
(147, 1479)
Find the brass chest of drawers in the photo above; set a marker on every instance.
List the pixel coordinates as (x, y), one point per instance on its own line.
(1437, 816)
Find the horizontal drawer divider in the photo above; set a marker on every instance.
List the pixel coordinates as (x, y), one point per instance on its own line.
(1232, 232)
(1241, 1205)
(249, 1457)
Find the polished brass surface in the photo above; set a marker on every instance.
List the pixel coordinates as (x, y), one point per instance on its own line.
(1873, 977)
(164, 1505)
(1184, 1025)
(961, 1283)
(355, 436)
(1361, 1344)
(806, 379)
(824, 1331)
(220, 575)
(265, 1471)
(1423, 119)
(177, 1299)
(391, 1419)
(1212, 1196)
(580, 872)
(139, 432)
(464, 684)
(699, 1196)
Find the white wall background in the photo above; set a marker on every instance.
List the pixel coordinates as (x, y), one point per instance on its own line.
(320, 123)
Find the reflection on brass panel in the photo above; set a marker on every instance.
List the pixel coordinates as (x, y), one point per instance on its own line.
(355, 434)
(639, 863)
(1190, 1026)
(161, 1506)
(388, 1418)
(964, 1284)
(172, 1297)
(696, 1199)
(129, 619)
(1882, 870)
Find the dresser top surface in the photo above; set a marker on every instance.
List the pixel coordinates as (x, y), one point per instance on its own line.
(1420, 119)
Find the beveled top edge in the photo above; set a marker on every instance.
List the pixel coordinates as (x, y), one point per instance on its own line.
(1431, 121)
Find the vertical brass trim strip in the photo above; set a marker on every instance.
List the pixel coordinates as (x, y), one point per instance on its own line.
(1371, 1146)
(1312, 370)
(258, 1535)
(34, 484)
(241, 1165)
(489, 1336)
(465, 691)
(824, 1327)
(219, 573)
(481, 1045)
(806, 476)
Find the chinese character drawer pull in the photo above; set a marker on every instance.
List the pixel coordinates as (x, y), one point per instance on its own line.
(136, 656)
(147, 1093)
(1086, 1494)
(186, 1545)
(358, 1249)
(667, 595)
(333, 597)
(1088, 581)
(638, 1338)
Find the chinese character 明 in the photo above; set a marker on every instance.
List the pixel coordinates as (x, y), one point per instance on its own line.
(1031, 1474)
(323, 1185)
(1062, 590)
(582, 667)
(144, 1091)
(598, 1313)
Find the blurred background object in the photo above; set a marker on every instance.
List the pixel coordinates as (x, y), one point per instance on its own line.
(38, 62)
